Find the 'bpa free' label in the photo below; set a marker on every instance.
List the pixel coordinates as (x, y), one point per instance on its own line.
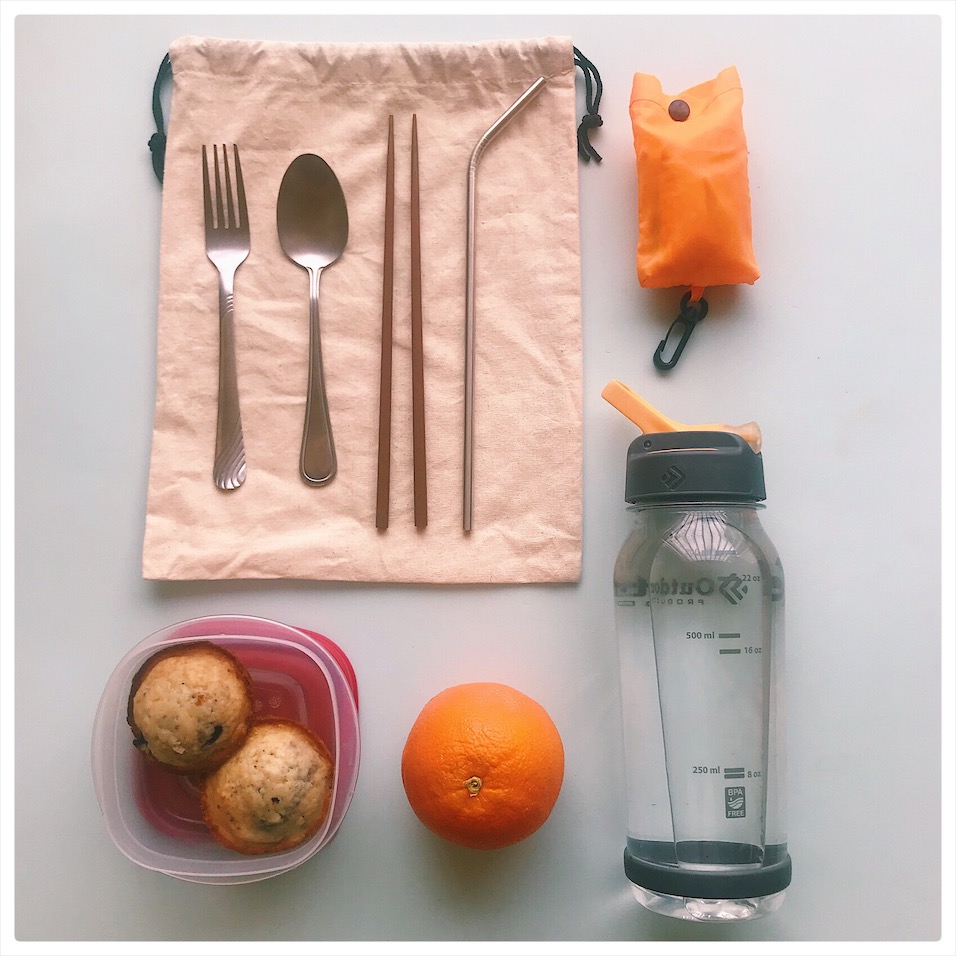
(735, 802)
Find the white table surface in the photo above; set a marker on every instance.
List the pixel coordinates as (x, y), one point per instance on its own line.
(835, 351)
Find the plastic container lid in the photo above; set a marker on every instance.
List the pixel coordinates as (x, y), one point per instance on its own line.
(154, 817)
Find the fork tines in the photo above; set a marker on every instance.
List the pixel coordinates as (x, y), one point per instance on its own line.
(224, 218)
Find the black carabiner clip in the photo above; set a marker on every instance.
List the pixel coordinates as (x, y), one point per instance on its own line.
(690, 314)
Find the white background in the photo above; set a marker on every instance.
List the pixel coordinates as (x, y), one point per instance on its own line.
(835, 351)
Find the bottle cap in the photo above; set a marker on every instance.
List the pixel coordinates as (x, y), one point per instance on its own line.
(693, 466)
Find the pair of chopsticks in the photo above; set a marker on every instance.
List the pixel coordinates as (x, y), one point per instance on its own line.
(418, 356)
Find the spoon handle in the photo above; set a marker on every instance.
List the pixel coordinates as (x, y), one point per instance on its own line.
(318, 452)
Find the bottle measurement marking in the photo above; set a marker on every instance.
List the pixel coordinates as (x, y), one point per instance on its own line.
(730, 773)
(730, 636)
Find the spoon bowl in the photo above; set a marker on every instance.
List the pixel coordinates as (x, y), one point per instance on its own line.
(313, 225)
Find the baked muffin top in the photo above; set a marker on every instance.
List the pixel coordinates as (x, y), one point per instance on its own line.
(273, 793)
(190, 706)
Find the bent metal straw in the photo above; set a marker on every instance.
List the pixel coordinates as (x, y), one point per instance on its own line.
(492, 131)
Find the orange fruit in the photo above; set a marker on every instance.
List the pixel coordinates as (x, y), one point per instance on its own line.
(483, 765)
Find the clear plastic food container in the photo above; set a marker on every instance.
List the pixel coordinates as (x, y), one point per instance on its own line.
(154, 816)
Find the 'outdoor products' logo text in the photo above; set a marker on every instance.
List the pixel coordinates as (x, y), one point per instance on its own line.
(735, 802)
(730, 586)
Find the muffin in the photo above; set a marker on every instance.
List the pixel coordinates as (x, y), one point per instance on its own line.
(274, 793)
(190, 707)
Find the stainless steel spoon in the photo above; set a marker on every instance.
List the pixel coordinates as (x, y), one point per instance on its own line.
(313, 224)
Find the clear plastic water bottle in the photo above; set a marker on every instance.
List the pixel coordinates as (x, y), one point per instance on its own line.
(699, 597)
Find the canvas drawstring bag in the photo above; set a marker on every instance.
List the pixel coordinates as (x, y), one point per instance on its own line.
(279, 100)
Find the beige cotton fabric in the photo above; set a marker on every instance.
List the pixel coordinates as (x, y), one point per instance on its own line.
(277, 101)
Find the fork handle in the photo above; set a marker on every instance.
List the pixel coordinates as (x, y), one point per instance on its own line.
(318, 451)
(229, 468)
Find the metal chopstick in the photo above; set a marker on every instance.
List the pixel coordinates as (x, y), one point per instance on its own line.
(385, 388)
(418, 357)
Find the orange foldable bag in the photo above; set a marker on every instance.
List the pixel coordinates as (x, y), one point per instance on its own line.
(693, 192)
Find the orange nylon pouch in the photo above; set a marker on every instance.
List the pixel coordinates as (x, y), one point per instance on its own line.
(693, 190)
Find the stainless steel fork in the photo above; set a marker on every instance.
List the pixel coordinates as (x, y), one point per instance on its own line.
(227, 245)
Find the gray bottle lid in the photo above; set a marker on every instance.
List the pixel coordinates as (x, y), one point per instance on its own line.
(687, 466)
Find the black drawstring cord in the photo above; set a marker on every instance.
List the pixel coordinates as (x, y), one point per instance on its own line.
(593, 88)
(157, 142)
